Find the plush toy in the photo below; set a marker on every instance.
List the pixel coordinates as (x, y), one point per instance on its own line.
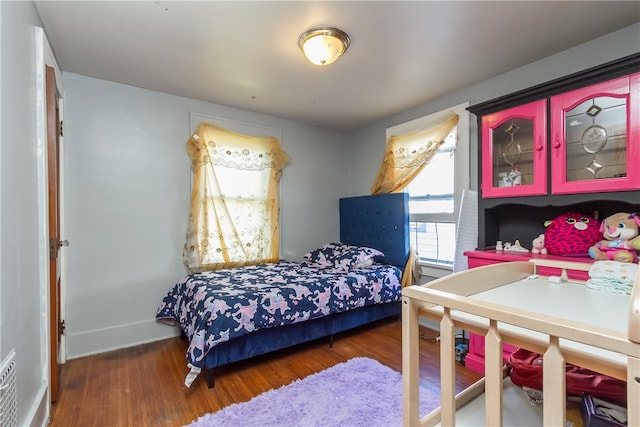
(572, 234)
(621, 240)
(538, 245)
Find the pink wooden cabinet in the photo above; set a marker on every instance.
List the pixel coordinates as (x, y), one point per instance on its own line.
(595, 138)
(569, 144)
(594, 142)
(514, 151)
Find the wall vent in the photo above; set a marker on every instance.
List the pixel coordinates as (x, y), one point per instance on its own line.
(8, 393)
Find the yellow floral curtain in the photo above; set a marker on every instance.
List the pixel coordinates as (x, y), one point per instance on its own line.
(406, 155)
(234, 211)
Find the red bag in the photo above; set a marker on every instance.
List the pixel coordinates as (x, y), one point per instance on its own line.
(525, 370)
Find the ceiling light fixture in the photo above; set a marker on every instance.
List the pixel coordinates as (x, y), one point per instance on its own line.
(324, 45)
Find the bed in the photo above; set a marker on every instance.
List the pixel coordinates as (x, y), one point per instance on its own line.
(232, 315)
(562, 319)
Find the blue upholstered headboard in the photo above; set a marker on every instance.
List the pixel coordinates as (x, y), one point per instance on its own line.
(380, 222)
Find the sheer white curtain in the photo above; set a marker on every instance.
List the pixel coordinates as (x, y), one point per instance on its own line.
(234, 212)
(406, 155)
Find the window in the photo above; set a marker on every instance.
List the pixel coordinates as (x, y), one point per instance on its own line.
(431, 193)
(234, 200)
(435, 193)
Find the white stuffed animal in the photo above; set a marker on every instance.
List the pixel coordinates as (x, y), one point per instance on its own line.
(538, 245)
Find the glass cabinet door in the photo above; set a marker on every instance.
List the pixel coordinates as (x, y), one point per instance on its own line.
(514, 160)
(594, 138)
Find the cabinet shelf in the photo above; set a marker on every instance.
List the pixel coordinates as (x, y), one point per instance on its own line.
(523, 218)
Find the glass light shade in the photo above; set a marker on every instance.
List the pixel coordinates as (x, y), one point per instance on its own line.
(324, 45)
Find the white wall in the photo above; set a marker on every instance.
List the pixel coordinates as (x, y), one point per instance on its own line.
(23, 322)
(127, 196)
(367, 144)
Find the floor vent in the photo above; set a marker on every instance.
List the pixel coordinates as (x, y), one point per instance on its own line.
(8, 394)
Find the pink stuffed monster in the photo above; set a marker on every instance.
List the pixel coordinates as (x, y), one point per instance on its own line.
(620, 231)
(571, 234)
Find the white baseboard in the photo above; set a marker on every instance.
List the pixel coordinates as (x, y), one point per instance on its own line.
(38, 415)
(429, 323)
(97, 341)
(435, 326)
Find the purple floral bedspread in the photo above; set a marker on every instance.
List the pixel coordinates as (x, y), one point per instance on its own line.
(217, 306)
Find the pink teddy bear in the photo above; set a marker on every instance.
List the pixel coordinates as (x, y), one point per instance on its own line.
(621, 233)
(538, 245)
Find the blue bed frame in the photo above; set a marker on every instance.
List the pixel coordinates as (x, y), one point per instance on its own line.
(380, 222)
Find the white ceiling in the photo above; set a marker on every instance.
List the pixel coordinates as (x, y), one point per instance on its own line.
(245, 54)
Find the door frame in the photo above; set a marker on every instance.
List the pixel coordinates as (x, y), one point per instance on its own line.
(46, 57)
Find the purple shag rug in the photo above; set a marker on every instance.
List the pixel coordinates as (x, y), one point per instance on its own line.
(359, 392)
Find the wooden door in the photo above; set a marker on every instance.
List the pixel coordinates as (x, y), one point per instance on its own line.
(53, 161)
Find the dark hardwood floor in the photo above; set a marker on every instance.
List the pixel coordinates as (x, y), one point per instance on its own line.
(144, 385)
